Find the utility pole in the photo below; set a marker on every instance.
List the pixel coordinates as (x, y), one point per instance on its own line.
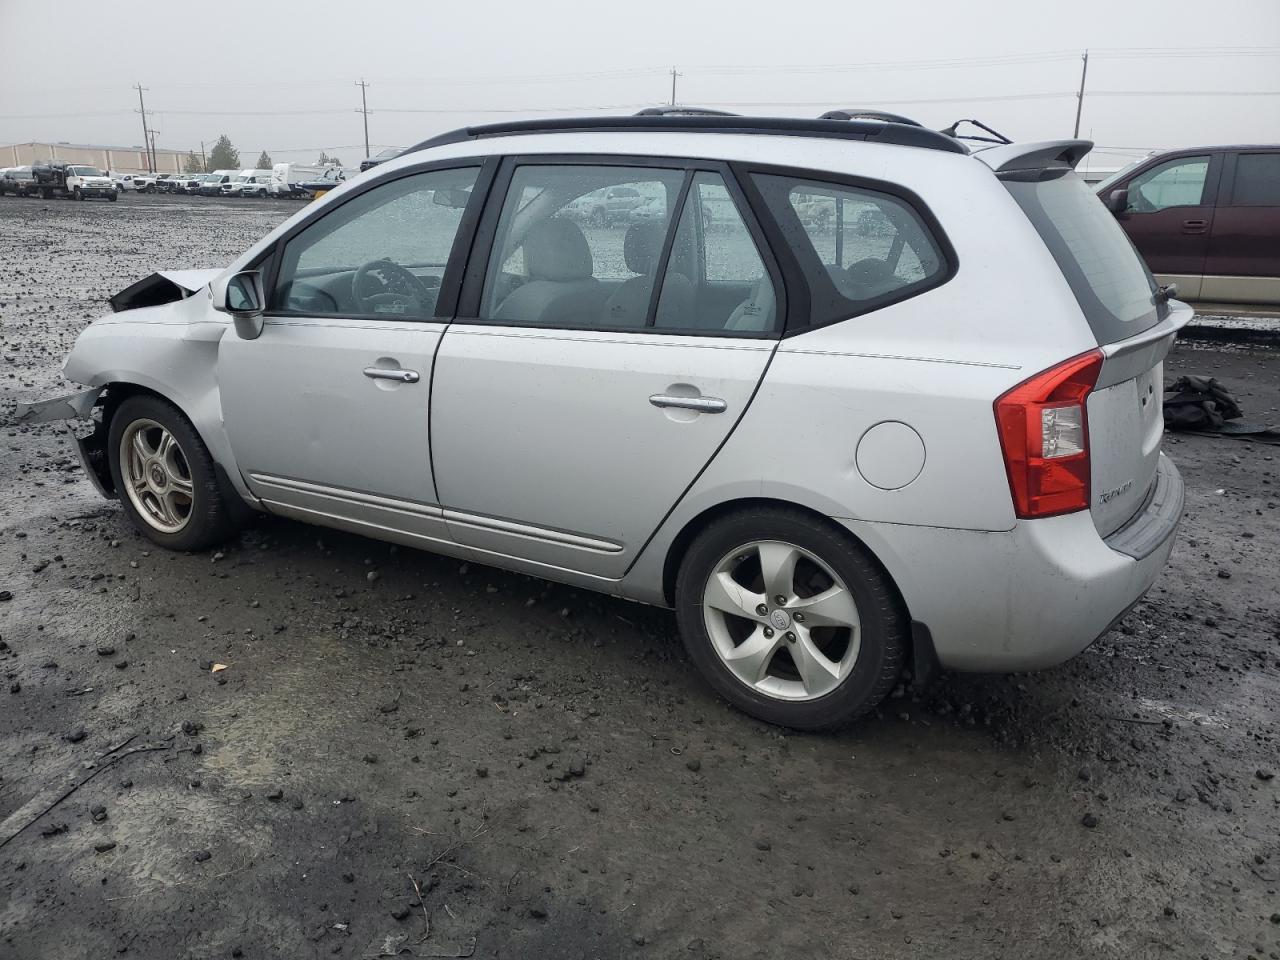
(364, 108)
(673, 86)
(146, 141)
(1084, 72)
(155, 165)
(204, 163)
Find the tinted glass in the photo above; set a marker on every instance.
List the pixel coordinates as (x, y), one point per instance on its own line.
(860, 249)
(571, 250)
(1257, 179)
(715, 279)
(382, 253)
(1178, 183)
(1110, 281)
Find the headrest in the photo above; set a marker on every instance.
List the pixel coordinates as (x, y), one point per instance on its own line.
(642, 246)
(556, 249)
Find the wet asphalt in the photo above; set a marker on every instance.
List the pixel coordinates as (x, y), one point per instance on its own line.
(408, 753)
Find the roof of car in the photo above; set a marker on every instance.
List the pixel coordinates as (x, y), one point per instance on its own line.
(872, 130)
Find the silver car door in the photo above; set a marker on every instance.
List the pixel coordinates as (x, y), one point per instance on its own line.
(327, 411)
(607, 364)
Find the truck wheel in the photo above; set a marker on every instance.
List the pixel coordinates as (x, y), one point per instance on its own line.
(76, 194)
(165, 476)
(46, 193)
(113, 196)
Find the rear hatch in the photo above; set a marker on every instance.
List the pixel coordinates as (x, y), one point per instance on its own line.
(1133, 325)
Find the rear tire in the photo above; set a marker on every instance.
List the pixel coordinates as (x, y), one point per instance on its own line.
(165, 476)
(806, 663)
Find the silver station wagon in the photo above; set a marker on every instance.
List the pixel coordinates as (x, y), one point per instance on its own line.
(854, 397)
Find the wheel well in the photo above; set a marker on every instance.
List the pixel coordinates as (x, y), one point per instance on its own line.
(921, 659)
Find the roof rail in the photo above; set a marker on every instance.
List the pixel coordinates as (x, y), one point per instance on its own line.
(859, 114)
(673, 111)
(870, 130)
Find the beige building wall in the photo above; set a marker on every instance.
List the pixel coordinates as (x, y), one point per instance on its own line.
(123, 159)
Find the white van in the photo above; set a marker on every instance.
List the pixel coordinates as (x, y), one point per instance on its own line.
(212, 185)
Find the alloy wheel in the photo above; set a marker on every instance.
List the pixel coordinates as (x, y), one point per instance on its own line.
(781, 620)
(156, 475)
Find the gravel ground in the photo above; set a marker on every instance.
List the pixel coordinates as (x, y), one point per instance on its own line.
(405, 752)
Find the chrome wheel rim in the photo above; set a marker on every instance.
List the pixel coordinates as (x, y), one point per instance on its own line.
(781, 620)
(156, 476)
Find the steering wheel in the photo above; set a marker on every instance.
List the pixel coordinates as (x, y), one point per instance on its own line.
(397, 290)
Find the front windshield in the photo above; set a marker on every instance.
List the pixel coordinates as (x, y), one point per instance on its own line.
(241, 179)
(86, 171)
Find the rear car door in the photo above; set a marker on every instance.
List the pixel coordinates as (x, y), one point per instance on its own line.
(591, 374)
(1243, 263)
(327, 411)
(1170, 216)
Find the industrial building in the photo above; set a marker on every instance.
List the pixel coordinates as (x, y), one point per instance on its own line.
(122, 159)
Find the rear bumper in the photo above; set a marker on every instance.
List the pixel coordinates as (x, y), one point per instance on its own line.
(1033, 596)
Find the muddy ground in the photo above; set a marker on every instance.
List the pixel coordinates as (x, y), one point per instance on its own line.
(484, 764)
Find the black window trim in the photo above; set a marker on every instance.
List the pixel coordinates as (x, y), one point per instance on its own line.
(801, 320)
(482, 242)
(451, 281)
(1230, 162)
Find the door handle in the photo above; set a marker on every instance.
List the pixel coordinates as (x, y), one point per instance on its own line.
(1194, 226)
(399, 376)
(701, 404)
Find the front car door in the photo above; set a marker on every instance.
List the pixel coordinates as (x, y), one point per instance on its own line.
(594, 369)
(1170, 216)
(1243, 265)
(327, 411)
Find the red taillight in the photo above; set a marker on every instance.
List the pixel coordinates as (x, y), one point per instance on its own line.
(1044, 434)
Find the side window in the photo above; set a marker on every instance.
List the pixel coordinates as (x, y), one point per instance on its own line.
(715, 279)
(1257, 180)
(381, 254)
(1178, 183)
(859, 249)
(571, 251)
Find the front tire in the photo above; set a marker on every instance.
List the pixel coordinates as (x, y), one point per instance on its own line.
(165, 476)
(789, 619)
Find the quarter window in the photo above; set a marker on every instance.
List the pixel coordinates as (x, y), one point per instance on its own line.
(1177, 183)
(382, 254)
(1257, 180)
(860, 249)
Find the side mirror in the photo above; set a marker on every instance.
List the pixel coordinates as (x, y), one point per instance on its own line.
(241, 295)
(1118, 201)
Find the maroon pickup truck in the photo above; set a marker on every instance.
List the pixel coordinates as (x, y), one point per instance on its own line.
(1207, 219)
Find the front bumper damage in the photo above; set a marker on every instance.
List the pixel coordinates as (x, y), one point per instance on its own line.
(87, 432)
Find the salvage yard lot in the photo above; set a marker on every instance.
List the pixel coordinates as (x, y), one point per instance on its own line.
(488, 765)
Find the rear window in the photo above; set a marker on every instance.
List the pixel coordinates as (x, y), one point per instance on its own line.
(1108, 277)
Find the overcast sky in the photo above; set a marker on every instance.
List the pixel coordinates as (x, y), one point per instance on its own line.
(281, 76)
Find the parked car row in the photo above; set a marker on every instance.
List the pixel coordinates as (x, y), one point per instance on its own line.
(57, 179)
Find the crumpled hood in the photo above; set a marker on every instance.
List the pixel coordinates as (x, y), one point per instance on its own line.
(164, 286)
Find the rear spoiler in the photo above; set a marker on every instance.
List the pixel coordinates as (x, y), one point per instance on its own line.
(1017, 158)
